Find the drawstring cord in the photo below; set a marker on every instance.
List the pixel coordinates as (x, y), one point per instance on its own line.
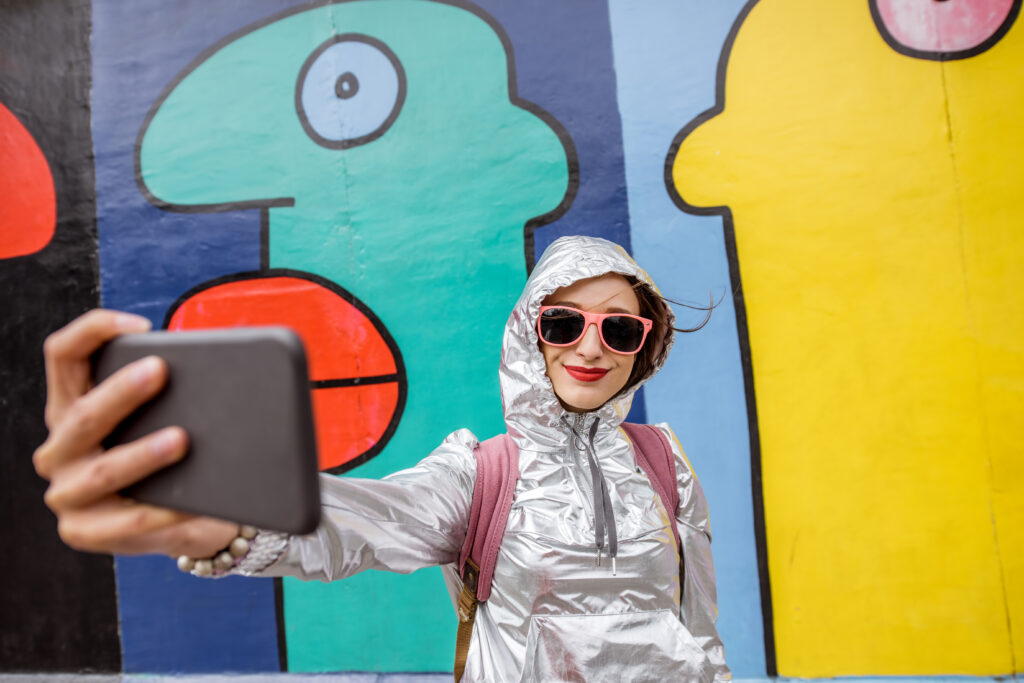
(604, 518)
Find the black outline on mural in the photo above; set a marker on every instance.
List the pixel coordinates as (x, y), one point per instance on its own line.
(282, 634)
(940, 56)
(396, 108)
(398, 376)
(742, 332)
(531, 225)
(265, 238)
(353, 381)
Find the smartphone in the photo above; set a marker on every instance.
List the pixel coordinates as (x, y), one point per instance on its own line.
(243, 396)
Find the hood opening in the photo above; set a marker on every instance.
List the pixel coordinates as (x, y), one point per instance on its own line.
(532, 410)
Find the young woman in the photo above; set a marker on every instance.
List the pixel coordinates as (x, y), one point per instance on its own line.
(587, 581)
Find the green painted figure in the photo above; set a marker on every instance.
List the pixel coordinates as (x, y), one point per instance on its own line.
(392, 160)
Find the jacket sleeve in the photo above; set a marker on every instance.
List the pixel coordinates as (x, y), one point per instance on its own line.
(411, 519)
(698, 608)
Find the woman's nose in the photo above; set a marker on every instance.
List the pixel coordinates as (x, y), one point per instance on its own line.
(589, 346)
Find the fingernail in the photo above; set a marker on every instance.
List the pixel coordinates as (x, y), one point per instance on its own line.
(129, 322)
(146, 370)
(165, 442)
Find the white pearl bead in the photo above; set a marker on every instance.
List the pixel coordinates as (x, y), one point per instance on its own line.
(239, 546)
(247, 531)
(186, 563)
(203, 568)
(224, 560)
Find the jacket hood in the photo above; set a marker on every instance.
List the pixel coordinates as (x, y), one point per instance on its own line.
(532, 411)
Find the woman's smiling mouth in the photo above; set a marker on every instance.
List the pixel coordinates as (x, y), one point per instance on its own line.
(585, 374)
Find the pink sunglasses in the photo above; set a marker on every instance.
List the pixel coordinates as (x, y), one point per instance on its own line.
(620, 332)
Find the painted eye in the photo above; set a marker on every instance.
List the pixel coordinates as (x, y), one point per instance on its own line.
(349, 91)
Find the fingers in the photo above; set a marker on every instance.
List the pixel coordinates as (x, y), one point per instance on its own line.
(91, 417)
(104, 474)
(93, 517)
(195, 537)
(66, 354)
(116, 526)
(85, 481)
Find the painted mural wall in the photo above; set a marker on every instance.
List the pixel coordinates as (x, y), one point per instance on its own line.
(843, 178)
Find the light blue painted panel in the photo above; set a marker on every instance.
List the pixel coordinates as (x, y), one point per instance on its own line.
(666, 55)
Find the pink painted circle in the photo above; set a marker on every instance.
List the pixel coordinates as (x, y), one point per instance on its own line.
(943, 26)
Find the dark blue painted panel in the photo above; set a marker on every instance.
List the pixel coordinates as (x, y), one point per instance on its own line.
(173, 622)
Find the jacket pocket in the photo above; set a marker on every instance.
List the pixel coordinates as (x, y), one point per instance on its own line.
(635, 646)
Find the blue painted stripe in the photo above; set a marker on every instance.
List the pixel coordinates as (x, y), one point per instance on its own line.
(666, 55)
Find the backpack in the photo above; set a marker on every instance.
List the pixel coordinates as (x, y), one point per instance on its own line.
(497, 471)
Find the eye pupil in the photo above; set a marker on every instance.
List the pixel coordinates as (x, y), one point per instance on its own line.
(346, 86)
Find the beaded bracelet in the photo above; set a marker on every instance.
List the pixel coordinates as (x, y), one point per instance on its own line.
(223, 560)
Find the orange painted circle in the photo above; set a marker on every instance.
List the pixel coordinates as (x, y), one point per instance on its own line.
(28, 200)
(356, 372)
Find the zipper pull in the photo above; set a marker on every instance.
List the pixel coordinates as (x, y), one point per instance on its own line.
(598, 563)
(613, 565)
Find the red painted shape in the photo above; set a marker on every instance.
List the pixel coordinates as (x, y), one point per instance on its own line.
(943, 25)
(28, 200)
(355, 416)
(342, 343)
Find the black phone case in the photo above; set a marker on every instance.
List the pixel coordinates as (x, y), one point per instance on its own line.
(243, 396)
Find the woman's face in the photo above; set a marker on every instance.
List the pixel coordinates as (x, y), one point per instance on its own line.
(587, 374)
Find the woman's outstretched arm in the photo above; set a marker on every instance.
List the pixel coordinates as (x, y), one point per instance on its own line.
(410, 519)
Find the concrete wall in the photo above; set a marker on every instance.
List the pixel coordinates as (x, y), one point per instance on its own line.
(843, 177)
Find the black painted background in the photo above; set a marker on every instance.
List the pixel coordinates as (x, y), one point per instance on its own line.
(58, 609)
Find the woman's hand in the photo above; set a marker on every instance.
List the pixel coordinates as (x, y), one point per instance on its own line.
(85, 479)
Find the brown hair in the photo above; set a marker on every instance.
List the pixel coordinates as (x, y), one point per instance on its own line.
(655, 307)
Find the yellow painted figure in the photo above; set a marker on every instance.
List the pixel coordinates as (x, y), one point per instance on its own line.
(878, 206)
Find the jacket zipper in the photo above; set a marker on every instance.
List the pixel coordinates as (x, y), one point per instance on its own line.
(581, 469)
(579, 455)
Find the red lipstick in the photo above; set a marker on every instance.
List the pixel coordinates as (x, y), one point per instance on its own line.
(585, 374)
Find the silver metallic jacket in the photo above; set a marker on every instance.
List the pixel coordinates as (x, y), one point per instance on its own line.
(586, 585)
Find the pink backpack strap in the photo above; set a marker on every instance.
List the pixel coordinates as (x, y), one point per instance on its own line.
(497, 471)
(655, 457)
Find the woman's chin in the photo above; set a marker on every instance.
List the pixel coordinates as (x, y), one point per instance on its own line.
(581, 403)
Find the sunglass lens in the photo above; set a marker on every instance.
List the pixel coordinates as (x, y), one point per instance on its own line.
(560, 326)
(622, 334)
